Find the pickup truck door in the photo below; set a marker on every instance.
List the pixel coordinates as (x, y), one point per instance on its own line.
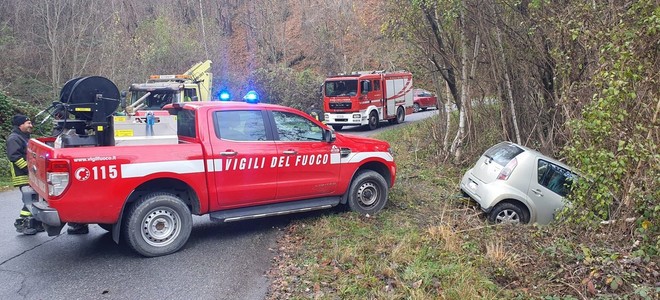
(242, 153)
(306, 167)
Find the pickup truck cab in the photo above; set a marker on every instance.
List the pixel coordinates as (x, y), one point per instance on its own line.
(232, 161)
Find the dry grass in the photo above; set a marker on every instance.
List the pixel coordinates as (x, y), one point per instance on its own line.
(430, 243)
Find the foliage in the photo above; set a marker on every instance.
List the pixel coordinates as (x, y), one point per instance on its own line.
(614, 145)
(288, 87)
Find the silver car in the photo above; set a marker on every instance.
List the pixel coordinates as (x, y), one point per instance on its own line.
(516, 184)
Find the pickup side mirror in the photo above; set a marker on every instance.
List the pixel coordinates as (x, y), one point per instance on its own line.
(329, 135)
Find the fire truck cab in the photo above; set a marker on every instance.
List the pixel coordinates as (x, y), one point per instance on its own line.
(366, 98)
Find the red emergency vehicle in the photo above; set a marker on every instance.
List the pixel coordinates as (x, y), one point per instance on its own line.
(367, 98)
(232, 161)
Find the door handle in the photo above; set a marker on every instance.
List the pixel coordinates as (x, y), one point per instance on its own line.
(228, 153)
(290, 152)
(537, 192)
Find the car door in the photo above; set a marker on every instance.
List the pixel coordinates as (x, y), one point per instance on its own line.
(242, 151)
(305, 167)
(549, 189)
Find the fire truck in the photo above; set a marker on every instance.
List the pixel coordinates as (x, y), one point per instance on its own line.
(230, 160)
(367, 98)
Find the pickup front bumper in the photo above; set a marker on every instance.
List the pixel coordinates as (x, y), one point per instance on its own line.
(40, 210)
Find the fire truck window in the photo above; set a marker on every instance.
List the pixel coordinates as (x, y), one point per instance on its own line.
(351, 87)
(366, 87)
(376, 85)
(292, 127)
(240, 125)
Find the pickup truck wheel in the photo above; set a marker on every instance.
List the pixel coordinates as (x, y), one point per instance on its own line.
(373, 120)
(158, 224)
(368, 193)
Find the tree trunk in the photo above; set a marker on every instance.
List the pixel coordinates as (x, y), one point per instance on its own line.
(507, 81)
(457, 145)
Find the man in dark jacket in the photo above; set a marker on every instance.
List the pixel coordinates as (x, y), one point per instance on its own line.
(16, 152)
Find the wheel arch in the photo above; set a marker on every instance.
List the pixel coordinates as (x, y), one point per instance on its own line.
(174, 186)
(375, 166)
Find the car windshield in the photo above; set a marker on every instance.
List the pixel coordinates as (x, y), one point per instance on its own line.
(340, 88)
(503, 153)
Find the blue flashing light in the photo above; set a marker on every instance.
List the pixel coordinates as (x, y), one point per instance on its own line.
(251, 97)
(224, 96)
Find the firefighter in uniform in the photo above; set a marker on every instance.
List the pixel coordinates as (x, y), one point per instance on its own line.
(16, 152)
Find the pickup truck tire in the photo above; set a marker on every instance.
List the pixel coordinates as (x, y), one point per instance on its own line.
(157, 224)
(368, 192)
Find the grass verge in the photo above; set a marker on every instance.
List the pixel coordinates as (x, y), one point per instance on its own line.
(431, 243)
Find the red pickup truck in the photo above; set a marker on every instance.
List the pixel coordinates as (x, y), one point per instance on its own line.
(231, 160)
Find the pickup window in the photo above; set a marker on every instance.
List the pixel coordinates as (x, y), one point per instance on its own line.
(292, 127)
(240, 125)
(185, 122)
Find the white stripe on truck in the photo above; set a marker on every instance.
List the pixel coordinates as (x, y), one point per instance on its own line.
(178, 167)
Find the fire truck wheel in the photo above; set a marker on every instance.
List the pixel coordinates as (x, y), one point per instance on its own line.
(368, 192)
(400, 115)
(337, 127)
(373, 120)
(416, 107)
(158, 224)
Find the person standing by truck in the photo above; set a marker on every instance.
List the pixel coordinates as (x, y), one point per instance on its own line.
(16, 152)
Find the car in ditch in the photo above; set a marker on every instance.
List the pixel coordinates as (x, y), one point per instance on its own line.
(515, 184)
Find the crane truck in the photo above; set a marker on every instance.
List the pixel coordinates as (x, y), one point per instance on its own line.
(159, 90)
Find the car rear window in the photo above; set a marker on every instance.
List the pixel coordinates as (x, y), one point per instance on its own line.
(503, 153)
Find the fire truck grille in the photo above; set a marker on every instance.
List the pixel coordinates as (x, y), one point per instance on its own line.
(340, 105)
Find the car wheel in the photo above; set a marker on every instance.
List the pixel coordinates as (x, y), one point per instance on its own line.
(415, 107)
(337, 127)
(158, 224)
(400, 115)
(373, 120)
(368, 192)
(508, 213)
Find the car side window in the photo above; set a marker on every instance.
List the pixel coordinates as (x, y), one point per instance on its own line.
(554, 177)
(240, 125)
(292, 127)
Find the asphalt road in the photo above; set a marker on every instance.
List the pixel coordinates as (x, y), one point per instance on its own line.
(364, 130)
(220, 261)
